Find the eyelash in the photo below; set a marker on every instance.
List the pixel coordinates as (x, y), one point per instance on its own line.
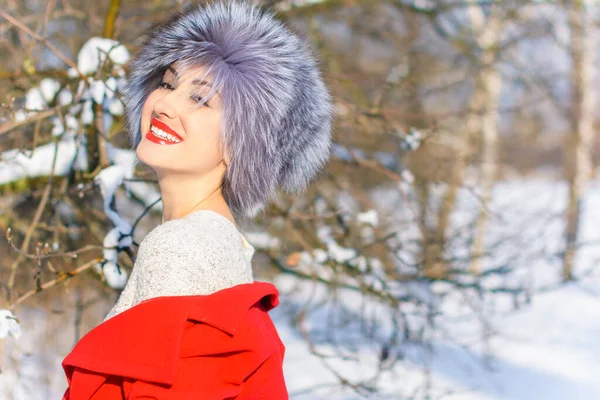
(167, 86)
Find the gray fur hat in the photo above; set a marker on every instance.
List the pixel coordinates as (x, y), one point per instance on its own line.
(277, 113)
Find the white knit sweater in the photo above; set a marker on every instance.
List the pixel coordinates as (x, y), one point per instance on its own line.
(200, 253)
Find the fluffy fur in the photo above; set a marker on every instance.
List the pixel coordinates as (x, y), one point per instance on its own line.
(277, 110)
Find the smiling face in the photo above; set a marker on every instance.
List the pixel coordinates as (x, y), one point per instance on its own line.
(179, 134)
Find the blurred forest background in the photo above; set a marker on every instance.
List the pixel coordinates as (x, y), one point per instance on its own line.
(449, 249)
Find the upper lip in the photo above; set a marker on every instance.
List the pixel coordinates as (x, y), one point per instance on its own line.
(164, 127)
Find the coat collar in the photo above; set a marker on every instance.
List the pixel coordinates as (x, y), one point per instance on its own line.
(226, 308)
(144, 341)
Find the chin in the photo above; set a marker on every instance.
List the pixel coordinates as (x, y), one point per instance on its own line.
(149, 156)
(160, 163)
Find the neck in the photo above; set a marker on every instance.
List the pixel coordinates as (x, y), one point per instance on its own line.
(183, 194)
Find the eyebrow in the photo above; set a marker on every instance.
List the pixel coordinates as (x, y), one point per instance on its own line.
(197, 82)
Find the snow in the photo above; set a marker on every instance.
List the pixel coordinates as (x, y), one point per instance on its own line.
(548, 351)
(82, 90)
(49, 87)
(545, 349)
(111, 86)
(367, 234)
(31, 379)
(368, 217)
(114, 276)
(59, 129)
(407, 176)
(288, 4)
(20, 115)
(143, 191)
(9, 325)
(320, 255)
(64, 97)
(541, 344)
(93, 54)
(339, 253)
(412, 140)
(87, 114)
(535, 357)
(34, 101)
(397, 73)
(30, 373)
(109, 179)
(38, 98)
(115, 107)
(15, 165)
(483, 348)
(262, 240)
(97, 91)
(72, 73)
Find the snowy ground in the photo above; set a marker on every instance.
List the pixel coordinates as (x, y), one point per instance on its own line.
(547, 350)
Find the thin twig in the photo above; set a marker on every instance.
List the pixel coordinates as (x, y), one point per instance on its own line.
(71, 254)
(43, 40)
(9, 126)
(28, 235)
(63, 277)
(146, 210)
(36, 219)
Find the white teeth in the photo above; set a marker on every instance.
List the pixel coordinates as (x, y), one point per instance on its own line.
(164, 135)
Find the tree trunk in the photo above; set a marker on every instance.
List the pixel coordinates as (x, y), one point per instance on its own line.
(487, 35)
(579, 164)
(433, 264)
(482, 122)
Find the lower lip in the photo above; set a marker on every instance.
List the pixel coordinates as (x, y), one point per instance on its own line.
(158, 140)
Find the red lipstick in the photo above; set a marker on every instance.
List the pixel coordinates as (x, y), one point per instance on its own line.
(166, 129)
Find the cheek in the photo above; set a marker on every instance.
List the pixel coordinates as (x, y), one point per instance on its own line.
(203, 134)
(147, 112)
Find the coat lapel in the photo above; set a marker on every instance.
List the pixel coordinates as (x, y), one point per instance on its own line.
(144, 342)
(140, 343)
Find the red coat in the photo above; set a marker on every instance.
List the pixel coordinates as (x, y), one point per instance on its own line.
(218, 346)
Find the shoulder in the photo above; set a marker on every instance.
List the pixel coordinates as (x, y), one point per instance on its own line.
(198, 254)
(197, 227)
(201, 235)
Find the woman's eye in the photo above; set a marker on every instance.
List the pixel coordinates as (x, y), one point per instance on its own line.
(165, 85)
(197, 99)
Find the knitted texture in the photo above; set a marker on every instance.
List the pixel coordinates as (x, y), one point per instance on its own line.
(199, 254)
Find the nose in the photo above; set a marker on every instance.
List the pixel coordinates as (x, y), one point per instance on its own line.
(165, 106)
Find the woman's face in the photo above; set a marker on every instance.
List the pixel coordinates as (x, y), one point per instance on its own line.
(176, 136)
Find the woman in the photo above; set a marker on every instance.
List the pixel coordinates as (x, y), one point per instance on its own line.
(227, 105)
